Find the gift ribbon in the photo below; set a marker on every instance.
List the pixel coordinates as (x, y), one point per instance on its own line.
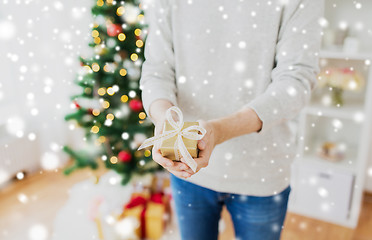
(95, 216)
(135, 202)
(179, 146)
(141, 201)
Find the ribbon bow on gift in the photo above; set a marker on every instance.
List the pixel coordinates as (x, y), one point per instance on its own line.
(143, 202)
(179, 146)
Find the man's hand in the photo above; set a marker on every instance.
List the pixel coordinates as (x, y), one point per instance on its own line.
(178, 169)
(219, 130)
(205, 145)
(157, 114)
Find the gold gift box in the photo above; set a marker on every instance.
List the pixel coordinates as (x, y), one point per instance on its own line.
(136, 213)
(154, 218)
(167, 145)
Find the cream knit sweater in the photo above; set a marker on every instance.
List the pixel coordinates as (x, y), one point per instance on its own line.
(213, 57)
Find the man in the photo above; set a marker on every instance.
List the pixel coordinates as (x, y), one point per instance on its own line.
(244, 69)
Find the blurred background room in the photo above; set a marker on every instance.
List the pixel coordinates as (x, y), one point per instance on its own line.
(72, 120)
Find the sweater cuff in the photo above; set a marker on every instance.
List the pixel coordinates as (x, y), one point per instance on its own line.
(266, 111)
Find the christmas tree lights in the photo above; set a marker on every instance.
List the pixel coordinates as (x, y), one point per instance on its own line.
(112, 115)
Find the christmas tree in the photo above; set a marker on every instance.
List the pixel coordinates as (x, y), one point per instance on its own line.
(109, 109)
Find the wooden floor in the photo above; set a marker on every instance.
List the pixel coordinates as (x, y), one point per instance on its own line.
(44, 194)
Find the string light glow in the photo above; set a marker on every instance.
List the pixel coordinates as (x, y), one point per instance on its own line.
(139, 43)
(88, 90)
(110, 116)
(134, 57)
(106, 68)
(147, 153)
(124, 98)
(138, 154)
(87, 68)
(137, 32)
(121, 36)
(94, 129)
(101, 91)
(110, 91)
(142, 115)
(95, 67)
(120, 11)
(114, 160)
(97, 40)
(96, 112)
(102, 139)
(123, 72)
(105, 104)
(100, 3)
(140, 17)
(95, 33)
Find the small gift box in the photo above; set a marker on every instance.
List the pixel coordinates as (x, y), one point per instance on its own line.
(167, 145)
(150, 212)
(155, 217)
(161, 184)
(136, 208)
(179, 139)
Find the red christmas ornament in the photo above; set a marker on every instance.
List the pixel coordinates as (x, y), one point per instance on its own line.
(77, 105)
(135, 105)
(124, 156)
(114, 29)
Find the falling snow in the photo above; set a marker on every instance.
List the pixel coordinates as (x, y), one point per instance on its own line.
(36, 75)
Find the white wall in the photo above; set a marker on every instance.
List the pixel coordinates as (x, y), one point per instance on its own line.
(358, 20)
(40, 42)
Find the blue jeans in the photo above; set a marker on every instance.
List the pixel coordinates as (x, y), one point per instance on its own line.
(255, 218)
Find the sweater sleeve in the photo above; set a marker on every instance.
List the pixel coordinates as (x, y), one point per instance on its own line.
(158, 74)
(296, 64)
